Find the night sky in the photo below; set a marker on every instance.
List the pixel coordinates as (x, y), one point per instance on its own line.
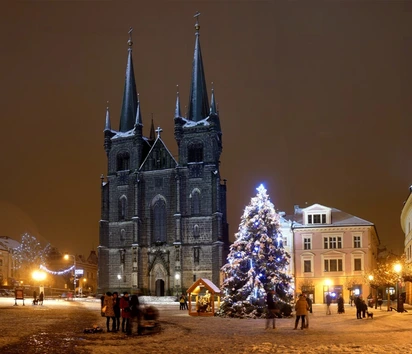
(314, 100)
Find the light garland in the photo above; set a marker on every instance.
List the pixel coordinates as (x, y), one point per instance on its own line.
(56, 273)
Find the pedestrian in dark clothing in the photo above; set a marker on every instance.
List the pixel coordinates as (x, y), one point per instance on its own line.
(341, 304)
(271, 310)
(358, 304)
(134, 315)
(116, 308)
(328, 300)
(125, 307)
(35, 301)
(364, 308)
(41, 298)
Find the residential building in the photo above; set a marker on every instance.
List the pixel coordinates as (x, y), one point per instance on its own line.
(163, 220)
(333, 252)
(406, 221)
(7, 266)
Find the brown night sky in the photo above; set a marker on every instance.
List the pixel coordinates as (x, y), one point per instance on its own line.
(314, 100)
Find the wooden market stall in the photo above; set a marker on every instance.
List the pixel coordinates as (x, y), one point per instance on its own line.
(202, 296)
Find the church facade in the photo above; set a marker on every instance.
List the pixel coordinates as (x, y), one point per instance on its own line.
(163, 220)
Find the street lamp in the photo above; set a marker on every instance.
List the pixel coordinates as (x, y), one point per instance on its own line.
(119, 276)
(66, 256)
(39, 277)
(398, 269)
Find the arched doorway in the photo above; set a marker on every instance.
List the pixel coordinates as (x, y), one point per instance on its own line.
(160, 287)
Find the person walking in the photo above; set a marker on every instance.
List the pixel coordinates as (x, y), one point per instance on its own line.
(125, 307)
(359, 305)
(109, 311)
(301, 308)
(328, 300)
(341, 304)
(271, 310)
(309, 301)
(116, 309)
(182, 302)
(41, 298)
(134, 315)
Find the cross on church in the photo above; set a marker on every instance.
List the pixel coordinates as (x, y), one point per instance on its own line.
(130, 37)
(158, 131)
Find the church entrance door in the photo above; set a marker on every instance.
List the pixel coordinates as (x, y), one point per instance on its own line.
(160, 287)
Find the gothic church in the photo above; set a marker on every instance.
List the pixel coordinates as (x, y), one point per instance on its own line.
(163, 222)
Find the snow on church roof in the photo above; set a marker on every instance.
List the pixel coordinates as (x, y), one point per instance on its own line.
(190, 123)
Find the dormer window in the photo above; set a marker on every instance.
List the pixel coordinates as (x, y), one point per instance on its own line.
(317, 219)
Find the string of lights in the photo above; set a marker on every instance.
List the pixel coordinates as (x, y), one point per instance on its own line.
(61, 272)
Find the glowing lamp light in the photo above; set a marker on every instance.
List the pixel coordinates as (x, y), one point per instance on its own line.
(39, 275)
(397, 268)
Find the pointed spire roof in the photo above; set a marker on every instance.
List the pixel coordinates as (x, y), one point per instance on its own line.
(198, 101)
(152, 131)
(108, 125)
(138, 120)
(129, 106)
(213, 109)
(177, 109)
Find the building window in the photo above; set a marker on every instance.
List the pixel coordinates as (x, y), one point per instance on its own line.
(307, 266)
(195, 153)
(333, 265)
(123, 161)
(1, 262)
(159, 221)
(196, 254)
(196, 232)
(332, 242)
(307, 243)
(356, 242)
(195, 202)
(285, 241)
(317, 219)
(358, 264)
(122, 207)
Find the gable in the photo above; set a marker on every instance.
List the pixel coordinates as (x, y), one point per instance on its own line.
(158, 158)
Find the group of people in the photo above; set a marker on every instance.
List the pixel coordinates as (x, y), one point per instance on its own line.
(125, 307)
(38, 300)
(183, 302)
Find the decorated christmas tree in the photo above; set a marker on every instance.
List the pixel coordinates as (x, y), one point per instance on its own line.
(257, 262)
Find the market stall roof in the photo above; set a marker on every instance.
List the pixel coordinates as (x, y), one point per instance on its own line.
(202, 282)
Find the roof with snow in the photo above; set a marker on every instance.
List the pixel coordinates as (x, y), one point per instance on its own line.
(7, 243)
(202, 282)
(338, 218)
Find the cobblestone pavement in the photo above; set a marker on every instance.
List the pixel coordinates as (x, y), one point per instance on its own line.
(57, 327)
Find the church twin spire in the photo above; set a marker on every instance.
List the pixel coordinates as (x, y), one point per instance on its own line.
(198, 108)
(129, 105)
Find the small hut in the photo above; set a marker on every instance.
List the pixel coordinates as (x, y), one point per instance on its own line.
(202, 297)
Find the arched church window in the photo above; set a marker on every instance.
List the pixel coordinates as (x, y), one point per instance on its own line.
(159, 221)
(122, 207)
(196, 231)
(196, 202)
(123, 161)
(195, 153)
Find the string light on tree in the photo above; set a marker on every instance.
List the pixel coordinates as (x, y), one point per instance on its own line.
(257, 261)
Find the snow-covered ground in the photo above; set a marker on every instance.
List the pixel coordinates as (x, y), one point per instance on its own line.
(57, 327)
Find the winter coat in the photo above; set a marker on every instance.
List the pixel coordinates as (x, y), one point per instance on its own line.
(125, 306)
(301, 306)
(116, 306)
(108, 302)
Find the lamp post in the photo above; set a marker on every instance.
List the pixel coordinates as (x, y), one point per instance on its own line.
(39, 277)
(66, 256)
(119, 276)
(398, 268)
